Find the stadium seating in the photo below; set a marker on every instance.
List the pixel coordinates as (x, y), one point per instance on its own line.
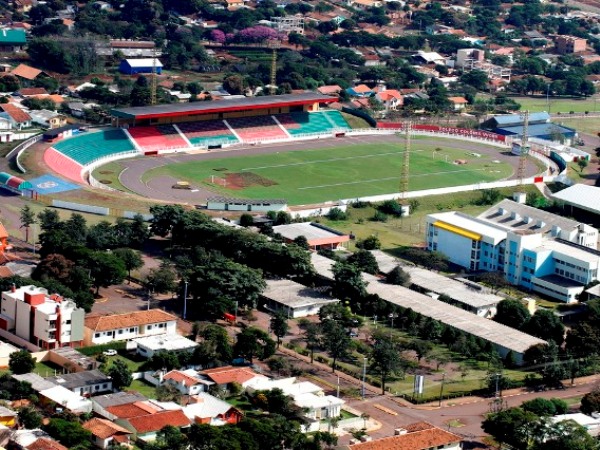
(157, 138)
(257, 128)
(206, 133)
(62, 165)
(297, 123)
(88, 147)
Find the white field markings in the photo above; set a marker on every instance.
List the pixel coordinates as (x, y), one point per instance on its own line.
(315, 161)
(374, 180)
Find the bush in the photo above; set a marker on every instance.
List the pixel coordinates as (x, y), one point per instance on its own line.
(370, 243)
(391, 207)
(359, 204)
(336, 214)
(379, 217)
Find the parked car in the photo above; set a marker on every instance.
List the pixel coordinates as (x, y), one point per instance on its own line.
(110, 352)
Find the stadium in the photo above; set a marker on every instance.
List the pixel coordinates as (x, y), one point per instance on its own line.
(291, 147)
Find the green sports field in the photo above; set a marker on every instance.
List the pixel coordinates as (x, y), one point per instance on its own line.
(312, 176)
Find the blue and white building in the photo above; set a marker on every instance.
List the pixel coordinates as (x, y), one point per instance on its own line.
(537, 250)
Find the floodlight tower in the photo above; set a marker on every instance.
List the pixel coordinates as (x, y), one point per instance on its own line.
(524, 147)
(273, 84)
(405, 160)
(154, 81)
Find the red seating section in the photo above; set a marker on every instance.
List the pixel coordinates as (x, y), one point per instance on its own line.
(288, 121)
(203, 129)
(157, 138)
(257, 128)
(63, 165)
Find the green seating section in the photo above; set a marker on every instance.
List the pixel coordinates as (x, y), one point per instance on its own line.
(297, 123)
(88, 147)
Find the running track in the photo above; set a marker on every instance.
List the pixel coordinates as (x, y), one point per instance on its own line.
(160, 188)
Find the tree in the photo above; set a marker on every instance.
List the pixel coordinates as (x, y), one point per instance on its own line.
(21, 362)
(546, 325)
(164, 360)
(246, 220)
(545, 407)
(161, 280)
(106, 269)
(29, 418)
(512, 313)
(254, 343)
(70, 433)
(120, 374)
(349, 283)
(386, 360)
(312, 338)
(364, 261)
(302, 242)
(167, 393)
(512, 426)
(591, 402)
(279, 325)
(49, 219)
(27, 219)
(566, 435)
(370, 243)
(217, 336)
(131, 259)
(398, 277)
(582, 163)
(335, 340)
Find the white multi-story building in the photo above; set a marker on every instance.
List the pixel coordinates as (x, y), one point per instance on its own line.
(47, 321)
(101, 329)
(540, 251)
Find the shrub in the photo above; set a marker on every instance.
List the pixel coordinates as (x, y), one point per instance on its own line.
(370, 243)
(390, 207)
(336, 214)
(379, 217)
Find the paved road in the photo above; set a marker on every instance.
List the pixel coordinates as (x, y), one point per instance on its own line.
(160, 188)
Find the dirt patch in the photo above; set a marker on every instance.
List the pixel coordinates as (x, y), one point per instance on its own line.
(220, 169)
(244, 180)
(105, 181)
(106, 172)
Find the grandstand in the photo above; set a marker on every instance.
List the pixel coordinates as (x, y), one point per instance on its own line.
(157, 137)
(87, 148)
(63, 165)
(207, 133)
(297, 123)
(257, 128)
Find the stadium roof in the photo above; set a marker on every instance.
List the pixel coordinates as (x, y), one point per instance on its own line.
(518, 119)
(536, 130)
(581, 196)
(249, 103)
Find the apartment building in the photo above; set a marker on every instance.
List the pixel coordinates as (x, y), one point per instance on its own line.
(47, 321)
(570, 44)
(540, 251)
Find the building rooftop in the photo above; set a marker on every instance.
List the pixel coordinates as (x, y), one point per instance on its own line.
(294, 295)
(229, 374)
(144, 62)
(37, 382)
(512, 215)
(588, 255)
(6, 349)
(156, 422)
(539, 129)
(46, 444)
(130, 410)
(248, 103)
(582, 196)
(99, 322)
(80, 379)
(559, 281)
(75, 357)
(506, 120)
(439, 284)
(103, 428)
(188, 378)
(25, 71)
(119, 398)
(471, 226)
(205, 406)
(310, 230)
(418, 439)
(168, 342)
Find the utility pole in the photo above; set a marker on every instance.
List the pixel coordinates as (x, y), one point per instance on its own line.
(442, 389)
(524, 147)
(185, 292)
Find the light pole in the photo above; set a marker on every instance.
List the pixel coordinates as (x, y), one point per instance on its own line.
(185, 292)
(364, 376)
(392, 316)
(442, 388)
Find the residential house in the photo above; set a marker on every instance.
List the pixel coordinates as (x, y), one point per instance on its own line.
(204, 408)
(86, 383)
(12, 41)
(27, 74)
(141, 65)
(459, 103)
(331, 89)
(147, 346)
(45, 444)
(570, 44)
(102, 329)
(101, 402)
(423, 57)
(47, 321)
(145, 427)
(77, 109)
(362, 90)
(224, 376)
(35, 439)
(106, 434)
(32, 92)
(417, 436)
(18, 118)
(188, 382)
(8, 417)
(391, 99)
(59, 397)
(49, 119)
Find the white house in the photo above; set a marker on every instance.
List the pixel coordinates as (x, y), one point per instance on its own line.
(48, 321)
(188, 382)
(101, 329)
(147, 346)
(67, 399)
(391, 99)
(88, 382)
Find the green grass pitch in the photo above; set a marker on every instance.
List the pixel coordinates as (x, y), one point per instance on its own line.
(313, 176)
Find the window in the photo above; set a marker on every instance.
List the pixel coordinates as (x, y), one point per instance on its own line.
(120, 332)
(97, 335)
(161, 325)
(132, 330)
(68, 322)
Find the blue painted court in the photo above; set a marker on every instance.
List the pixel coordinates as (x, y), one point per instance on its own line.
(49, 184)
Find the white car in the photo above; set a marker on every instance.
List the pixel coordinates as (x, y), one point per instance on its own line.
(110, 352)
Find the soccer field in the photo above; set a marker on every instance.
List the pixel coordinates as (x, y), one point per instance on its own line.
(312, 176)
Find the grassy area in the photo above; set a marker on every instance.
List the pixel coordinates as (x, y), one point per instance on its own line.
(589, 125)
(355, 122)
(143, 388)
(556, 105)
(132, 365)
(319, 175)
(109, 174)
(409, 231)
(347, 414)
(45, 369)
